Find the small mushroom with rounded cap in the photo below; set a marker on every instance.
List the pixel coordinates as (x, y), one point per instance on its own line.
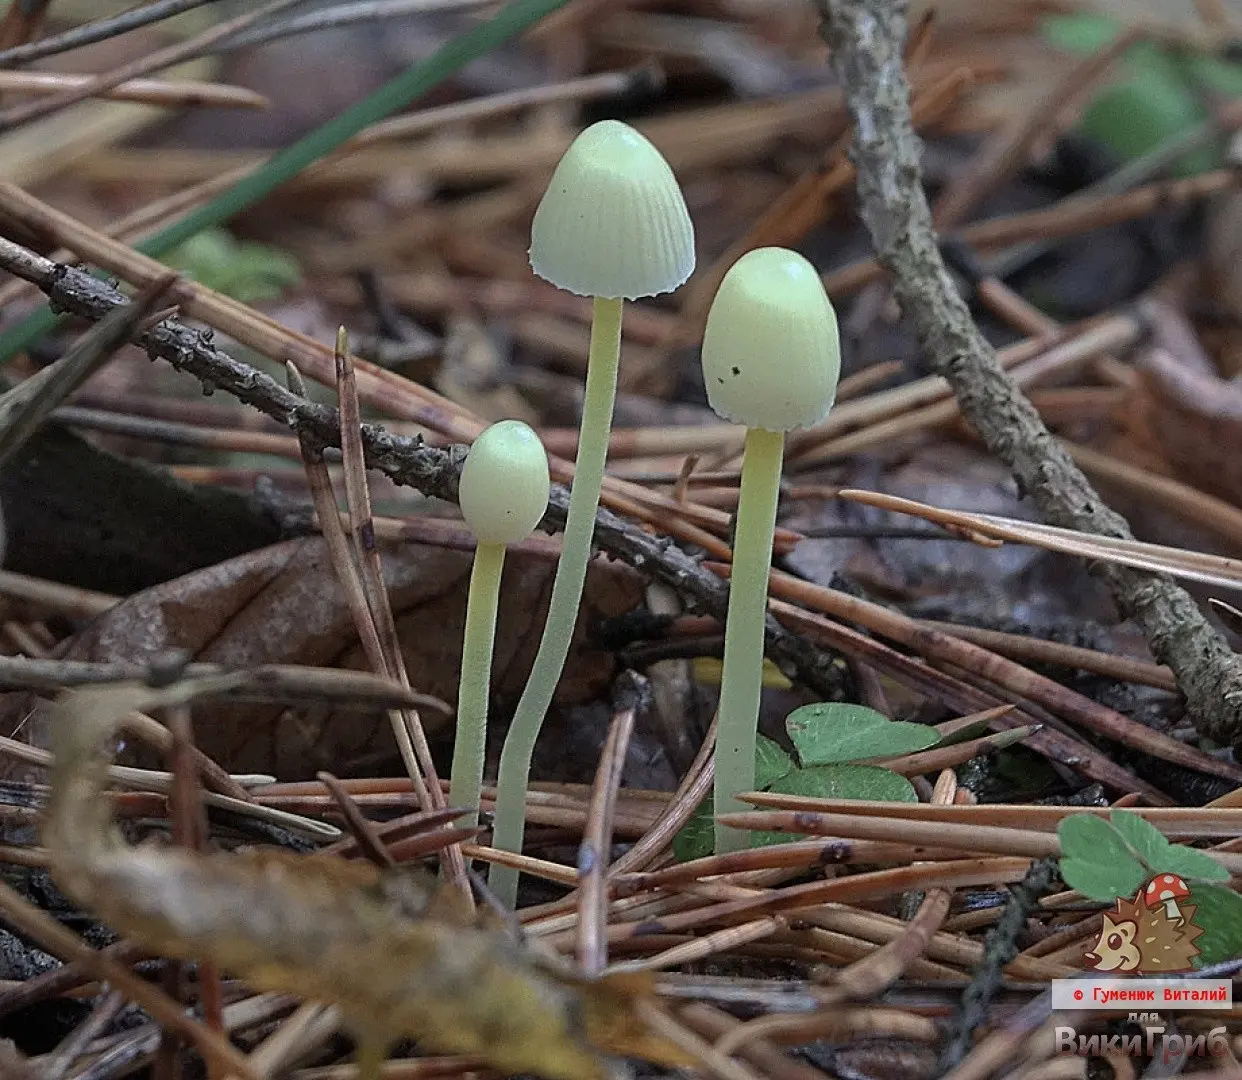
(771, 360)
(1166, 889)
(612, 225)
(503, 495)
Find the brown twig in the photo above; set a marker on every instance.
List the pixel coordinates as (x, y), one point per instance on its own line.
(1002, 155)
(1041, 651)
(161, 58)
(79, 36)
(866, 43)
(1071, 216)
(24, 408)
(352, 584)
(947, 757)
(370, 571)
(1215, 570)
(148, 91)
(56, 939)
(185, 811)
(713, 1023)
(390, 832)
(365, 835)
(267, 682)
(1004, 673)
(22, 21)
(593, 852)
(1179, 823)
(868, 978)
(75, 1044)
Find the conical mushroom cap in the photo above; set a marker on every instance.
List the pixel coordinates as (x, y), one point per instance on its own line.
(771, 352)
(613, 222)
(503, 492)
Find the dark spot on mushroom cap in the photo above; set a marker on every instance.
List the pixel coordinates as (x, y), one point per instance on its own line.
(737, 371)
(720, 380)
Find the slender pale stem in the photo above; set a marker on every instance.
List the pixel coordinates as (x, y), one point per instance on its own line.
(741, 679)
(515, 758)
(470, 741)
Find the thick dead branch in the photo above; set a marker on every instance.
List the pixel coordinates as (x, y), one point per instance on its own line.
(866, 38)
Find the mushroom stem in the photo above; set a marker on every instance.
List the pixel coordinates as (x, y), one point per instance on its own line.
(515, 758)
(470, 741)
(742, 676)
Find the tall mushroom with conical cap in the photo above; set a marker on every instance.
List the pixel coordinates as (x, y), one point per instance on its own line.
(612, 225)
(771, 360)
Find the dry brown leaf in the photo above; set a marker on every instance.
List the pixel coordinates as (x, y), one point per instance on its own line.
(376, 944)
(1196, 419)
(282, 604)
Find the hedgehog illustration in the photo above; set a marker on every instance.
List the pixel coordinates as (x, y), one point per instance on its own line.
(1151, 933)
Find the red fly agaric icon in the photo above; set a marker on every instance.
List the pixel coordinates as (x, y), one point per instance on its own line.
(1166, 889)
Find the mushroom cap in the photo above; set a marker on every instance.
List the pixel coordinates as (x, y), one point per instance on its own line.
(771, 352)
(503, 492)
(1165, 887)
(612, 222)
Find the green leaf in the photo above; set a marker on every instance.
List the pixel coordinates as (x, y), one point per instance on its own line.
(1147, 841)
(1219, 912)
(1190, 864)
(837, 782)
(1216, 74)
(1082, 33)
(771, 762)
(1099, 881)
(204, 257)
(829, 733)
(697, 838)
(247, 272)
(1095, 859)
(1161, 857)
(1134, 118)
(847, 782)
(1157, 100)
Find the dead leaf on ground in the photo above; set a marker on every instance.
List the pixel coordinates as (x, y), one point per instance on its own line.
(397, 953)
(1196, 419)
(282, 604)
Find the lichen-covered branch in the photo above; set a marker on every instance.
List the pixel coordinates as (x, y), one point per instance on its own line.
(866, 38)
(404, 460)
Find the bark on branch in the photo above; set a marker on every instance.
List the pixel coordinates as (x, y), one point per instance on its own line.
(866, 39)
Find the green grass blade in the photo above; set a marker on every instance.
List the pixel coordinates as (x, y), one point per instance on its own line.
(511, 21)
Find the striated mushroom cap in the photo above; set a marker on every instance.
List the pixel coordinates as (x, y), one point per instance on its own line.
(771, 352)
(504, 483)
(613, 222)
